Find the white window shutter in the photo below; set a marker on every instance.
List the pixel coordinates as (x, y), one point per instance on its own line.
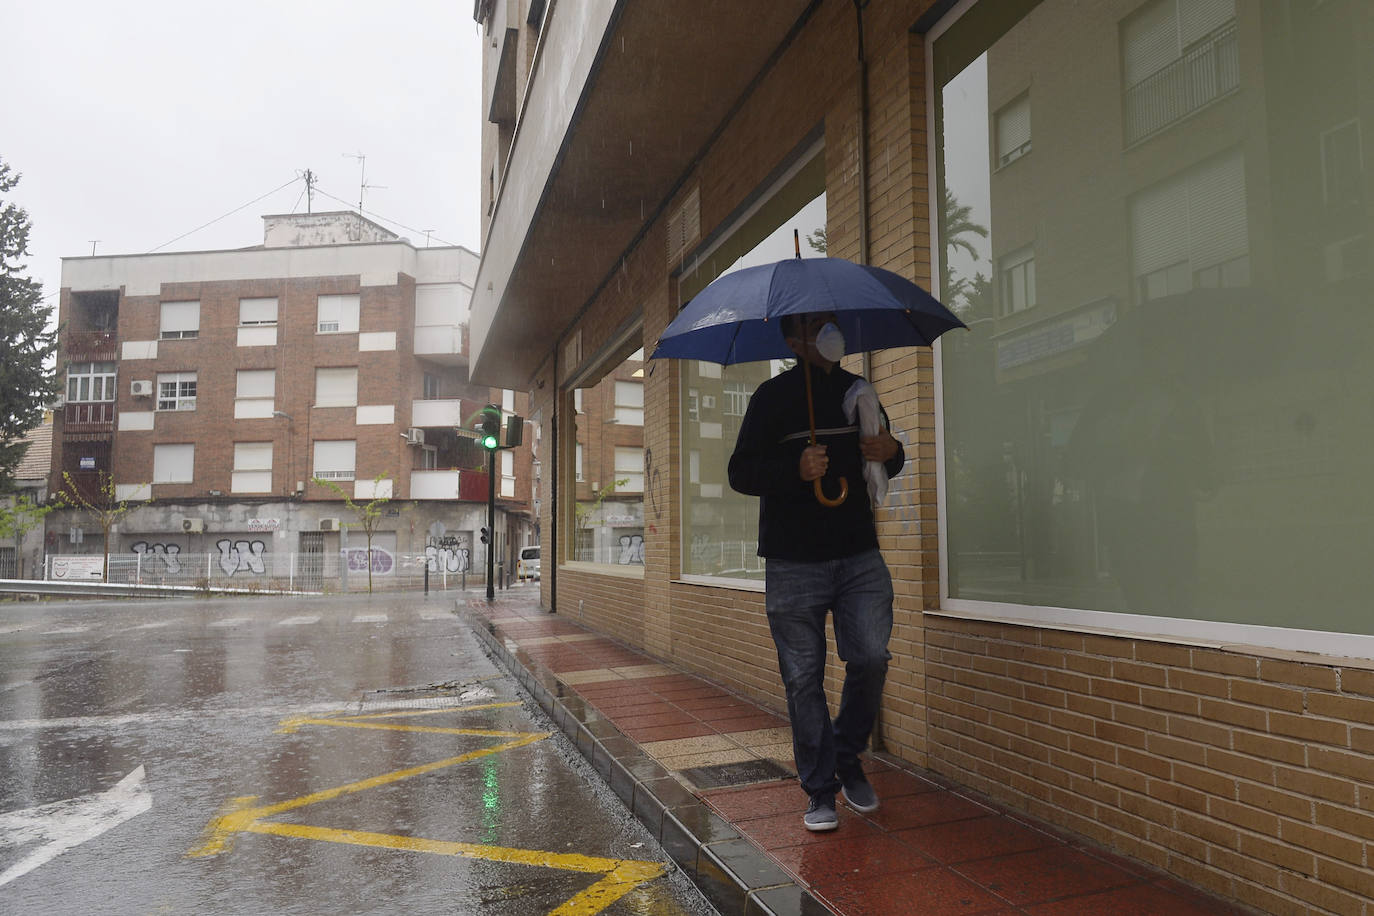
(258, 311)
(256, 383)
(180, 316)
(336, 387)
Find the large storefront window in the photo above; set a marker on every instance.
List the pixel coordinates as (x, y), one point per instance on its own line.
(608, 500)
(1163, 404)
(720, 526)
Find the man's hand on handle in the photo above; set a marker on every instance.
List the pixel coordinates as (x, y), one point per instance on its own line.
(878, 448)
(813, 463)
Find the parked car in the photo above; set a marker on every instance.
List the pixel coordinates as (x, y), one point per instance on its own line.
(528, 566)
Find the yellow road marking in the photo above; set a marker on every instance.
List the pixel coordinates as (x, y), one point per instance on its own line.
(239, 815)
(424, 712)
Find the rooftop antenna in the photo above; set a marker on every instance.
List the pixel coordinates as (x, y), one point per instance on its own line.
(362, 185)
(310, 179)
(427, 232)
(93, 242)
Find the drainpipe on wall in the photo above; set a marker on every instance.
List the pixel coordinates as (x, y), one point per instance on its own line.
(859, 5)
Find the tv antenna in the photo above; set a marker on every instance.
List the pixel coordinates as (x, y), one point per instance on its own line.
(363, 186)
(310, 179)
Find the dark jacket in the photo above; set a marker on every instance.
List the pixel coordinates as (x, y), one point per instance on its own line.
(766, 463)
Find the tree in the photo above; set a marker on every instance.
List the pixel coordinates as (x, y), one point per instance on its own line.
(956, 224)
(19, 515)
(27, 381)
(104, 506)
(369, 514)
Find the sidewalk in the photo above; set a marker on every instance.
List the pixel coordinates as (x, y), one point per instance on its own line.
(710, 774)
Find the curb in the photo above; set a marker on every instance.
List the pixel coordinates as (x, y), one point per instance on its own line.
(732, 873)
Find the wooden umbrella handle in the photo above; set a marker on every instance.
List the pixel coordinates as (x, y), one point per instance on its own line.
(826, 500)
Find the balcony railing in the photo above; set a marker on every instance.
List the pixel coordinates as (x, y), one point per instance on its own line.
(93, 417)
(1205, 72)
(92, 344)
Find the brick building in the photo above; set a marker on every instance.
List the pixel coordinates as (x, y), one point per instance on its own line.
(1129, 544)
(224, 384)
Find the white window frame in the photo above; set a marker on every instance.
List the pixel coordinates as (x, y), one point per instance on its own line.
(507, 474)
(174, 463)
(1328, 179)
(577, 462)
(252, 471)
(336, 386)
(629, 403)
(85, 381)
(1006, 156)
(734, 399)
(338, 314)
(1020, 262)
(257, 308)
(179, 320)
(629, 465)
(181, 395)
(334, 459)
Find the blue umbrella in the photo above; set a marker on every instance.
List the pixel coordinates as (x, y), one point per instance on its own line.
(735, 318)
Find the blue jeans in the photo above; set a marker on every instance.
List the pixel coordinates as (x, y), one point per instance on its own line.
(858, 590)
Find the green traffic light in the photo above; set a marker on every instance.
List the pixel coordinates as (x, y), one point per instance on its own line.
(489, 442)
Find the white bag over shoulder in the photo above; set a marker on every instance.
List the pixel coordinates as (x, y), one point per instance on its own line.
(861, 401)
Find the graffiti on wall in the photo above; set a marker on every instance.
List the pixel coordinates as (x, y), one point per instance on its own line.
(241, 556)
(631, 550)
(166, 554)
(446, 553)
(383, 561)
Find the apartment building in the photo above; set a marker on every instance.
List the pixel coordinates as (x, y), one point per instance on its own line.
(1129, 545)
(227, 394)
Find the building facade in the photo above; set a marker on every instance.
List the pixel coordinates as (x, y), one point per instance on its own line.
(236, 399)
(1128, 546)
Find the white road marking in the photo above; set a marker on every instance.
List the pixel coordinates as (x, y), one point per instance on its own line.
(370, 618)
(65, 631)
(299, 621)
(63, 825)
(231, 622)
(15, 628)
(435, 615)
(152, 626)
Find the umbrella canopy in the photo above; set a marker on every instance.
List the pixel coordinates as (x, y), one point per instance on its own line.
(734, 319)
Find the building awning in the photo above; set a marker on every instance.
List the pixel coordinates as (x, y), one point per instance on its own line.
(608, 129)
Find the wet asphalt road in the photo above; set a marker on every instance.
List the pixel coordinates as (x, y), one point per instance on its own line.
(341, 755)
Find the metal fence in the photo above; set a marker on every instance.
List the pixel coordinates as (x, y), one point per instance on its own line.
(344, 571)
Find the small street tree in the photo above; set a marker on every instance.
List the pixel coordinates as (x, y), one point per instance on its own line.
(369, 514)
(28, 381)
(102, 505)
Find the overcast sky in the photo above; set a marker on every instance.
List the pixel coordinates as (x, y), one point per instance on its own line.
(134, 123)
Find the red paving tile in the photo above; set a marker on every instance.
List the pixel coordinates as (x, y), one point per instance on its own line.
(865, 854)
(669, 732)
(928, 892)
(738, 711)
(786, 829)
(762, 800)
(1045, 874)
(891, 783)
(628, 723)
(980, 838)
(1137, 900)
(628, 709)
(925, 809)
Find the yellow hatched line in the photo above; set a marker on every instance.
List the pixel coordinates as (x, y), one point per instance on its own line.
(290, 725)
(420, 712)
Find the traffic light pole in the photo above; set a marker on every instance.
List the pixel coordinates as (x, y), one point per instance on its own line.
(491, 524)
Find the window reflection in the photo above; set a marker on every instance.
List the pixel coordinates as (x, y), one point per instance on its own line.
(1162, 403)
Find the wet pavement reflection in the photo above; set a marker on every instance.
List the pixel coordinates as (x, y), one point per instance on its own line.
(287, 756)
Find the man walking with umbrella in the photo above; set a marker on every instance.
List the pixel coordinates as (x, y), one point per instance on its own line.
(822, 555)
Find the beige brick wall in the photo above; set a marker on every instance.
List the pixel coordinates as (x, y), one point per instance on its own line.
(1248, 774)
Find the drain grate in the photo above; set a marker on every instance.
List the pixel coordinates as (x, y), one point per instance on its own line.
(735, 774)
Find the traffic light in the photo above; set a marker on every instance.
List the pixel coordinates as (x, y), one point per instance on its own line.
(490, 427)
(486, 535)
(515, 431)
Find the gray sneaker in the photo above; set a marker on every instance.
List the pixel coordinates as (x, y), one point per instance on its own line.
(858, 792)
(820, 814)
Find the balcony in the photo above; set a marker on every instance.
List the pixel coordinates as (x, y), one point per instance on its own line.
(442, 343)
(95, 417)
(90, 345)
(449, 484)
(445, 414)
(1206, 72)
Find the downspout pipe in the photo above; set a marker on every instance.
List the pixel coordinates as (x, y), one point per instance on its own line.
(859, 6)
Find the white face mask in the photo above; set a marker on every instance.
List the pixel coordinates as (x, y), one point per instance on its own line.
(830, 342)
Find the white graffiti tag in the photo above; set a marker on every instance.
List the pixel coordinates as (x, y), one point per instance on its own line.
(166, 553)
(240, 556)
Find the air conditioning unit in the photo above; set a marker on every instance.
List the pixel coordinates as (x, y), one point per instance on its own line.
(193, 525)
(329, 524)
(708, 401)
(414, 436)
(141, 388)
